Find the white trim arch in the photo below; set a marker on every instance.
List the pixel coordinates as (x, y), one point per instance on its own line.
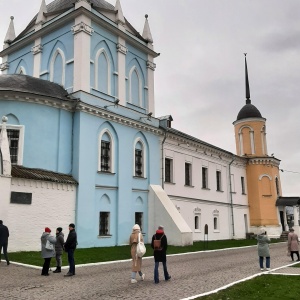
(112, 150)
(241, 140)
(144, 167)
(265, 175)
(134, 69)
(57, 52)
(99, 52)
(21, 70)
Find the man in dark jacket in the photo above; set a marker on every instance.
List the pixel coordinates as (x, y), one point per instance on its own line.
(4, 234)
(70, 246)
(160, 254)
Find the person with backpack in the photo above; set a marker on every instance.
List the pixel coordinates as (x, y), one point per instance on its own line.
(134, 239)
(159, 244)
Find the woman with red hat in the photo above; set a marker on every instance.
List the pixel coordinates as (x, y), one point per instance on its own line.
(48, 251)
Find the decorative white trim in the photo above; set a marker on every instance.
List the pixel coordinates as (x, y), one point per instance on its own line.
(122, 48)
(56, 53)
(82, 27)
(265, 175)
(4, 66)
(112, 150)
(21, 70)
(151, 65)
(37, 49)
(99, 52)
(134, 69)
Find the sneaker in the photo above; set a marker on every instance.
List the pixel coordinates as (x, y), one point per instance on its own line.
(262, 269)
(68, 274)
(133, 281)
(268, 269)
(143, 277)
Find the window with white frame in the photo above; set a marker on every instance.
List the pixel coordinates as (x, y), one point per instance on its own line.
(139, 160)
(197, 219)
(219, 180)
(105, 153)
(204, 178)
(243, 185)
(15, 140)
(168, 170)
(216, 220)
(104, 223)
(188, 174)
(139, 219)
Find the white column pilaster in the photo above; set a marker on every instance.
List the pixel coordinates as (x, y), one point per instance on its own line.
(122, 51)
(82, 31)
(37, 57)
(150, 84)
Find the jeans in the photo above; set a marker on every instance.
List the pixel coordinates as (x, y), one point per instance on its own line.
(58, 258)
(133, 274)
(46, 266)
(4, 246)
(71, 261)
(261, 262)
(156, 275)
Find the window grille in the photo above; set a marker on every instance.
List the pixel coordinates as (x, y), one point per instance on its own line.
(105, 156)
(104, 223)
(13, 139)
(138, 163)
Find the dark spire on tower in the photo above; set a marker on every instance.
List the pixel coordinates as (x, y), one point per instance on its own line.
(248, 101)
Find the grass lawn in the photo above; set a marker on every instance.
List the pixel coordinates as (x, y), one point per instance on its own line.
(92, 255)
(264, 287)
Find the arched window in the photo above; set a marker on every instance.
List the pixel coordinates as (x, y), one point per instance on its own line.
(57, 67)
(135, 87)
(106, 152)
(265, 181)
(103, 72)
(216, 220)
(139, 165)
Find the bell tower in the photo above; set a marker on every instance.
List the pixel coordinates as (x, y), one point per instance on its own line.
(262, 170)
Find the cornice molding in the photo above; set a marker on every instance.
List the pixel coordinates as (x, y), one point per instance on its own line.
(4, 66)
(151, 65)
(82, 27)
(122, 48)
(264, 161)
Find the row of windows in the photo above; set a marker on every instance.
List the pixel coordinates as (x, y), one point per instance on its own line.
(105, 220)
(188, 176)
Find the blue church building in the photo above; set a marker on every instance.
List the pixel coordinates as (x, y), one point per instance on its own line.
(77, 87)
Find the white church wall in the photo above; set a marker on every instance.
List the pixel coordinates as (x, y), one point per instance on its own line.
(53, 205)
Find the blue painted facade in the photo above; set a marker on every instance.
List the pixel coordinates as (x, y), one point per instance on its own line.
(69, 140)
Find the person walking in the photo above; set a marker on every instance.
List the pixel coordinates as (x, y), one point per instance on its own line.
(293, 244)
(136, 261)
(159, 244)
(70, 246)
(263, 249)
(48, 251)
(59, 245)
(4, 234)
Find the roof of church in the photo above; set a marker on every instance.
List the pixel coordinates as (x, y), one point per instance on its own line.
(58, 5)
(40, 174)
(248, 111)
(29, 84)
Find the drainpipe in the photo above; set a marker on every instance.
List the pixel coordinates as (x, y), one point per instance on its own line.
(230, 192)
(162, 159)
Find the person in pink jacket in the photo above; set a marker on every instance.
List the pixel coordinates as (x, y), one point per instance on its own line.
(293, 244)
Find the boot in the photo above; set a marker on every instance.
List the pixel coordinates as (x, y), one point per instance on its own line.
(58, 270)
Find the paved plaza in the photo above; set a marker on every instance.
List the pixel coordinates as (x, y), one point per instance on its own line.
(192, 274)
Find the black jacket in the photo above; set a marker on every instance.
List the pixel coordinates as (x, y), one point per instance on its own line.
(160, 255)
(71, 241)
(4, 234)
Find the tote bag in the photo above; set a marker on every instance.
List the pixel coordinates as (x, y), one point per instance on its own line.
(49, 246)
(140, 248)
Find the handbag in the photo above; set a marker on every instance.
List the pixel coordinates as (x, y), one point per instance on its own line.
(49, 246)
(140, 248)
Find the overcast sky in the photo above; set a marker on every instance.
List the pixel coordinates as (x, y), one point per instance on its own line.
(200, 79)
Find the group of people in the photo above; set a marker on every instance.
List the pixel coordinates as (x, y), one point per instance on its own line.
(160, 253)
(53, 246)
(264, 250)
